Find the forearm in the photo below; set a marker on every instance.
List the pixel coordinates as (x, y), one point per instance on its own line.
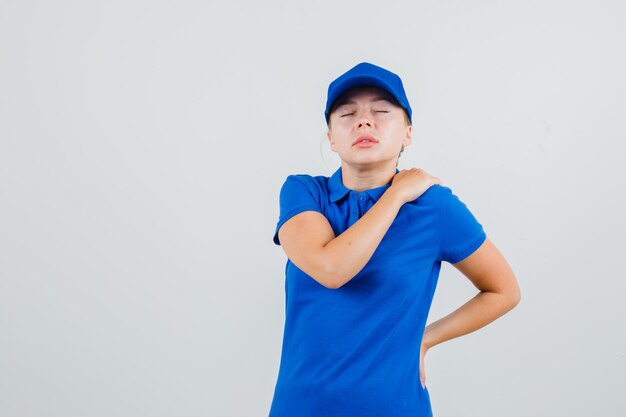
(349, 252)
(479, 311)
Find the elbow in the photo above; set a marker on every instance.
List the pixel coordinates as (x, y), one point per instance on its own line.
(518, 298)
(514, 298)
(518, 294)
(332, 285)
(332, 276)
(507, 299)
(331, 280)
(512, 294)
(337, 281)
(321, 268)
(335, 271)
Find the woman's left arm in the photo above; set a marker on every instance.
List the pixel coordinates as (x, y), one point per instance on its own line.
(499, 293)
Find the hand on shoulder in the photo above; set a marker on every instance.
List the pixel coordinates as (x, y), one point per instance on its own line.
(411, 183)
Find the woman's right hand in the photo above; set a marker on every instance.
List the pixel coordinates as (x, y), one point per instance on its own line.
(411, 183)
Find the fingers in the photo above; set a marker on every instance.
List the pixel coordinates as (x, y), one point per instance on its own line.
(422, 371)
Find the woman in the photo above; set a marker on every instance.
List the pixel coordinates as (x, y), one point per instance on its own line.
(364, 250)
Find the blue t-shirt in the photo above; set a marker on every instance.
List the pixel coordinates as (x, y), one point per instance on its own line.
(355, 350)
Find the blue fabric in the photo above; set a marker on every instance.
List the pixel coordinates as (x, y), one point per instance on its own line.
(354, 351)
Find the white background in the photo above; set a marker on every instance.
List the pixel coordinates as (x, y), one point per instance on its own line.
(143, 145)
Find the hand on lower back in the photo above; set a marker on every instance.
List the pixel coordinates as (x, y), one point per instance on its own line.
(423, 350)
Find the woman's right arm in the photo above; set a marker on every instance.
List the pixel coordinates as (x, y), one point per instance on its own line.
(310, 243)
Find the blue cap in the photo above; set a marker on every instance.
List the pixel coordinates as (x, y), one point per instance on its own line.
(367, 74)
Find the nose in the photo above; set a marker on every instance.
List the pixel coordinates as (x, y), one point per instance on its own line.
(364, 121)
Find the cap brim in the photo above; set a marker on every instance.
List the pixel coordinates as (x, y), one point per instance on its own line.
(358, 80)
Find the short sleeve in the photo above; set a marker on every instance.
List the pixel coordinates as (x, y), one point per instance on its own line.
(461, 233)
(297, 194)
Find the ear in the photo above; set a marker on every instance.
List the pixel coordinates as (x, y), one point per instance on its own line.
(408, 139)
(330, 139)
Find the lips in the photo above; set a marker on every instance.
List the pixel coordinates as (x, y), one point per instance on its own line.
(365, 138)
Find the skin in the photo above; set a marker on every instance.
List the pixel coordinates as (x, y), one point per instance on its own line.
(366, 168)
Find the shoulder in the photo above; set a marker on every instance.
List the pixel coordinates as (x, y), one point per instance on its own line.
(433, 197)
(437, 191)
(437, 199)
(306, 179)
(314, 183)
(440, 193)
(305, 186)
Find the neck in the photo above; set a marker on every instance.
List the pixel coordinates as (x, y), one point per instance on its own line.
(366, 178)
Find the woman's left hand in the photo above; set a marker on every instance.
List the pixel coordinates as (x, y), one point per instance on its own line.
(423, 350)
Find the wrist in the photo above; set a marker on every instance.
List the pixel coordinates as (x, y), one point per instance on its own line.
(427, 341)
(395, 196)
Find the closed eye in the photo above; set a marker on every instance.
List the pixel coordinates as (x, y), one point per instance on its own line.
(377, 111)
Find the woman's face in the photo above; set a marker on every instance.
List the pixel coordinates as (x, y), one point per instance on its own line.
(368, 111)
